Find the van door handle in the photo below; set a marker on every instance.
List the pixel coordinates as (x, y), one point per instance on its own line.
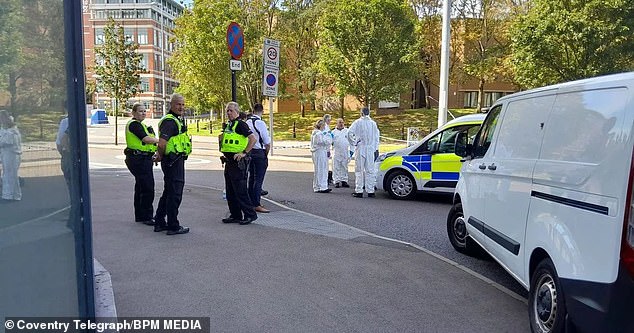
(492, 167)
(482, 166)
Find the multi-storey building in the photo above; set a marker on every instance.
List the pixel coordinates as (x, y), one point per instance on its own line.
(150, 24)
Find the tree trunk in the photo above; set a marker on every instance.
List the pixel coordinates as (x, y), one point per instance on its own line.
(480, 94)
(426, 88)
(13, 91)
(341, 102)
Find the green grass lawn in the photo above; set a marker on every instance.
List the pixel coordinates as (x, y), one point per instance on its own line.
(40, 126)
(393, 126)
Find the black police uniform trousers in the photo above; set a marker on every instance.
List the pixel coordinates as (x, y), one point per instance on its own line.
(257, 171)
(237, 194)
(141, 168)
(173, 166)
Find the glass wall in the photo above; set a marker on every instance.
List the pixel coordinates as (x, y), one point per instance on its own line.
(45, 246)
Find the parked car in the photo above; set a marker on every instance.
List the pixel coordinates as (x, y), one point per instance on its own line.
(429, 165)
(546, 189)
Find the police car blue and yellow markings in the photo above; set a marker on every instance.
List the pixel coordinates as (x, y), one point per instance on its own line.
(434, 167)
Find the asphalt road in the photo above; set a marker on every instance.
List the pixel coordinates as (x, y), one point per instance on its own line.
(421, 221)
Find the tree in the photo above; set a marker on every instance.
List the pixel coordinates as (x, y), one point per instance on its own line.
(368, 47)
(201, 61)
(483, 34)
(299, 37)
(118, 66)
(32, 55)
(558, 41)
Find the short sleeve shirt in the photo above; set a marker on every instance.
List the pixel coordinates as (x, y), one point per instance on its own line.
(137, 129)
(168, 128)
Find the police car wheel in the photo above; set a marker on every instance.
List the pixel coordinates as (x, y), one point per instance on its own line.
(546, 306)
(401, 185)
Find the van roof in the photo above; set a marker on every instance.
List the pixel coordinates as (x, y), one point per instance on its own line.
(564, 85)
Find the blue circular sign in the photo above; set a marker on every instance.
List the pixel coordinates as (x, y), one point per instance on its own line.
(235, 40)
(270, 80)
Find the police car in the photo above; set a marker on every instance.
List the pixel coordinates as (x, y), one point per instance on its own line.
(429, 165)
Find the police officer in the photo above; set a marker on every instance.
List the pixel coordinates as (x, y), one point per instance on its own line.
(259, 157)
(236, 143)
(141, 146)
(173, 148)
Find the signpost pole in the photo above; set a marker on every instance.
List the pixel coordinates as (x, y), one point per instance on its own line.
(234, 93)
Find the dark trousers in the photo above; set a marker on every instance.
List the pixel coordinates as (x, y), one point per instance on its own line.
(141, 168)
(173, 167)
(257, 171)
(237, 194)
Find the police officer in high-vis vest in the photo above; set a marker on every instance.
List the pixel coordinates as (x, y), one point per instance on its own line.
(236, 143)
(173, 148)
(141, 146)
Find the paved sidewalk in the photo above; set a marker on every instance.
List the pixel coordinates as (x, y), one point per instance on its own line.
(288, 272)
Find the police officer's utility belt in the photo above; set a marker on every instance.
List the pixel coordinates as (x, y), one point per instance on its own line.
(130, 152)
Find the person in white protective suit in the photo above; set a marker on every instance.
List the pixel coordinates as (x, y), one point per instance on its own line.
(11, 153)
(341, 154)
(320, 141)
(364, 135)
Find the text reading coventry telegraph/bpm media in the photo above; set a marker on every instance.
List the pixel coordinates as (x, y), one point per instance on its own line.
(131, 325)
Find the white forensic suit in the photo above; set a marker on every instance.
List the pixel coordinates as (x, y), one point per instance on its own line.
(341, 155)
(320, 142)
(364, 135)
(11, 153)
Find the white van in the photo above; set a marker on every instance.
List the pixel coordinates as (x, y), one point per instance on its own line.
(546, 189)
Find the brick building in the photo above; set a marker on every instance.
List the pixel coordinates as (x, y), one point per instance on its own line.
(146, 22)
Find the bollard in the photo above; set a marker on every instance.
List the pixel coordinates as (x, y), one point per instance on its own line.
(211, 130)
(41, 130)
(197, 125)
(294, 134)
(402, 132)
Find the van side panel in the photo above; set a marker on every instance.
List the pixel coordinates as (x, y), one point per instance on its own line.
(506, 182)
(576, 208)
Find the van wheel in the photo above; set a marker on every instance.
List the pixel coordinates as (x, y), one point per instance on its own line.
(401, 185)
(457, 232)
(547, 309)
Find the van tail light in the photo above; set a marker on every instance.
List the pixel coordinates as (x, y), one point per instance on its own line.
(627, 241)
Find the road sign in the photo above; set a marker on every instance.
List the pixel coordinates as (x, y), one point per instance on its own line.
(270, 82)
(235, 65)
(271, 52)
(235, 40)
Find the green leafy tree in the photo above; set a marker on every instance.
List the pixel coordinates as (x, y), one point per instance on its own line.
(557, 41)
(118, 66)
(368, 47)
(32, 55)
(483, 36)
(201, 61)
(299, 38)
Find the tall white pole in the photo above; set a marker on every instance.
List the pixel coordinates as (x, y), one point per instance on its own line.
(444, 64)
(163, 61)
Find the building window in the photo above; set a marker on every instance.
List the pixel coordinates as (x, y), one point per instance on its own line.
(142, 37)
(99, 37)
(128, 33)
(143, 13)
(144, 61)
(158, 65)
(145, 84)
(470, 99)
(129, 13)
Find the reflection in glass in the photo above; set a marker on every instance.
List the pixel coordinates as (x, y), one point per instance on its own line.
(38, 247)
